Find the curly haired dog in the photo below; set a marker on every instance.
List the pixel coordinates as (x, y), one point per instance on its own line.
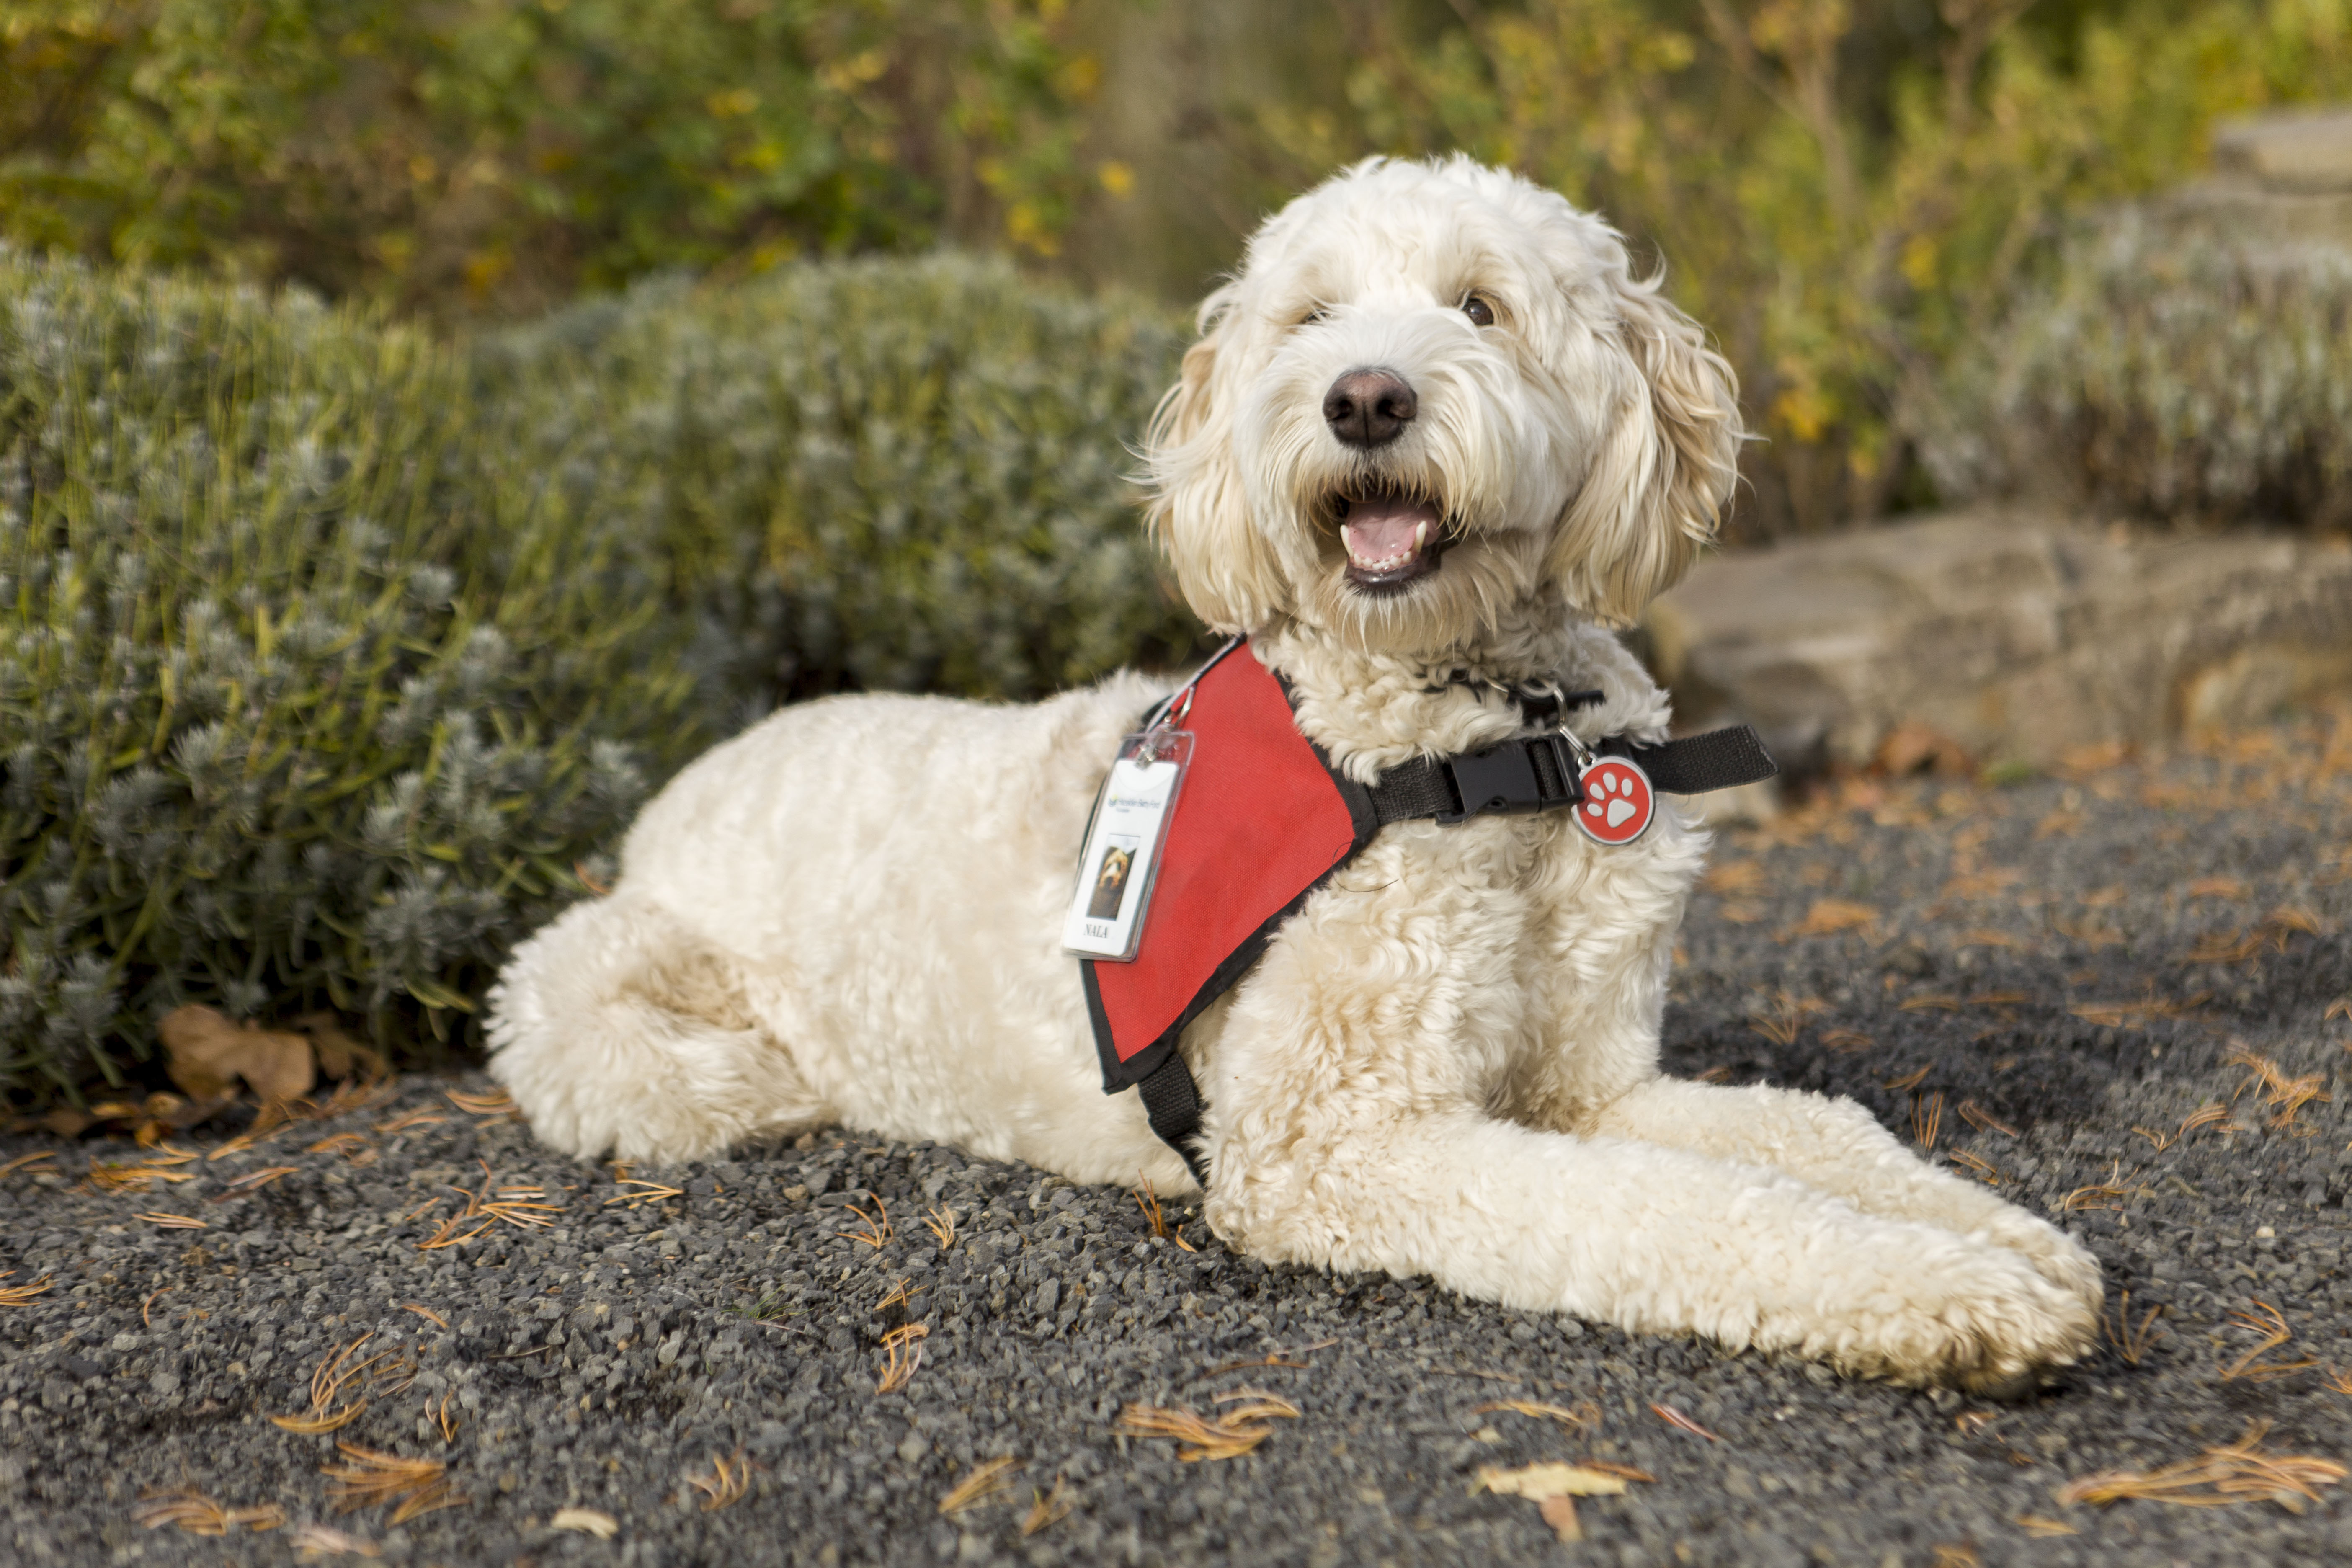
(1433, 425)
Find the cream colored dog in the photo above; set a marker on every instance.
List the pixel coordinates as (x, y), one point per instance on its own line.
(1433, 425)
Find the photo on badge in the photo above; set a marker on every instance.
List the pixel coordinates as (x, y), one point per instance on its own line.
(1110, 879)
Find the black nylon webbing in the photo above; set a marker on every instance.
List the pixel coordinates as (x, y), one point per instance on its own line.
(1426, 787)
(1173, 1100)
(1697, 763)
(1418, 786)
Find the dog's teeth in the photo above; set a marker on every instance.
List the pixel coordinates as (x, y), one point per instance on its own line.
(1419, 536)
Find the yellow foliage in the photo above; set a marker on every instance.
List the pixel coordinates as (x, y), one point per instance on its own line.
(1845, 234)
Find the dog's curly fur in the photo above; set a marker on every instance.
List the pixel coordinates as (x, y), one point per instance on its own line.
(1446, 1062)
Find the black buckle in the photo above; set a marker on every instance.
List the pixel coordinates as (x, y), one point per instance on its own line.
(1503, 779)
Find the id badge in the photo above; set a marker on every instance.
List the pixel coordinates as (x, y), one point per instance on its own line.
(1122, 852)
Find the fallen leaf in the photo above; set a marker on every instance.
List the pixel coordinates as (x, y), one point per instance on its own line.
(340, 1055)
(985, 1481)
(1560, 1512)
(325, 1539)
(1576, 1420)
(1228, 1436)
(1830, 916)
(586, 1521)
(416, 1485)
(2036, 1525)
(1552, 1478)
(206, 1053)
(1046, 1509)
(198, 1515)
(1735, 877)
(1674, 1417)
(2233, 1473)
(1912, 747)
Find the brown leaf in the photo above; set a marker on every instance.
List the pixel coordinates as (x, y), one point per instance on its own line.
(1830, 916)
(1674, 1417)
(985, 1481)
(339, 1055)
(2233, 1473)
(1560, 1512)
(1912, 747)
(206, 1053)
(1576, 1420)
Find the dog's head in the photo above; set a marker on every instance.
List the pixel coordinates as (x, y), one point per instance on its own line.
(1436, 396)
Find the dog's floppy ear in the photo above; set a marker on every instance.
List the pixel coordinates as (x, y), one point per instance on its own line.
(1664, 470)
(1198, 509)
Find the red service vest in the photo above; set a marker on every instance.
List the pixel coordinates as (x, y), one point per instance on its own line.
(1262, 821)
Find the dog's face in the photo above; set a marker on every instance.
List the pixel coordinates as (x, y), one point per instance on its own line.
(1434, 398)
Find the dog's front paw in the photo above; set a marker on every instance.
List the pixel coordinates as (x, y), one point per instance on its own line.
(1974, 1317)
(2056, 1255)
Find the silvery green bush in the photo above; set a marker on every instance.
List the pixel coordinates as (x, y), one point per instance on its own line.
(336, 657)
(872, 474)
(2167, 369)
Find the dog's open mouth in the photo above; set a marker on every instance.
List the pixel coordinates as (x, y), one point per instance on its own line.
(1391, 537)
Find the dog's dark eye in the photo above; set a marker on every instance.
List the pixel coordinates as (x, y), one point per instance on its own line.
(1313, 316)
(1480, 312)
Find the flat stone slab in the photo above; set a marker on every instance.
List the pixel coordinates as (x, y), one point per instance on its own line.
(2021, 635)
(2305, 150)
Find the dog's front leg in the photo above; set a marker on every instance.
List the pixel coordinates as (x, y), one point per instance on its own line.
(1347, 1125)
(1653, 1240)
(1839, 1147)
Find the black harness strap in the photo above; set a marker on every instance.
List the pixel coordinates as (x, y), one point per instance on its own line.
(1535, 773)
(1540, 773)
(1173, 1100)
(1720, 759)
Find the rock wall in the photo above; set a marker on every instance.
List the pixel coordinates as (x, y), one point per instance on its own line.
(2021, 635)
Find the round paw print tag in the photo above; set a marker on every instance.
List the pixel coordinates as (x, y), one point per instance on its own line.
(1618, 803)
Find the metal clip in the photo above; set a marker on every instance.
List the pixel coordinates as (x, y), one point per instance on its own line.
(1585, 755)
(1178, 707)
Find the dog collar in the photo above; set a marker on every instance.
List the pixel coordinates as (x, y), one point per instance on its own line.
(1265, 819)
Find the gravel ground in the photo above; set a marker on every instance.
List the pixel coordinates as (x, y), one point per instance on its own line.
(2026, 976)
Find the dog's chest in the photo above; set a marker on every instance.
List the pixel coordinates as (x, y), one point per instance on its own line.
(1515, 886)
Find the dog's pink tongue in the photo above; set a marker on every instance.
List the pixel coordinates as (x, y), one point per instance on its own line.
(1388, 529)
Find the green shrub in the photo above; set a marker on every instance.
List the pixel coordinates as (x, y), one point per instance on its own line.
(337, 657)
(509, 152)
(2169, 371)
(955, 436)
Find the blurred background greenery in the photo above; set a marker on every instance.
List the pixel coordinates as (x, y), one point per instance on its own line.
(426, 424)
(1850, 194)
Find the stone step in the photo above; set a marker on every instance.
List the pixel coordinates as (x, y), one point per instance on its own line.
(2020, 635)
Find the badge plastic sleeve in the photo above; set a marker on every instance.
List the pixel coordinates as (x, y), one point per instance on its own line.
(1124, 838)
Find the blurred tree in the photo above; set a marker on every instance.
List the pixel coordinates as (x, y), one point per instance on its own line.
(504, 153)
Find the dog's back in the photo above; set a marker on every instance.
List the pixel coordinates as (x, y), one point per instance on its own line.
(851, 910)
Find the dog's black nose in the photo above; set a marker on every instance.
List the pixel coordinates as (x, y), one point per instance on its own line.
(1369, 408)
